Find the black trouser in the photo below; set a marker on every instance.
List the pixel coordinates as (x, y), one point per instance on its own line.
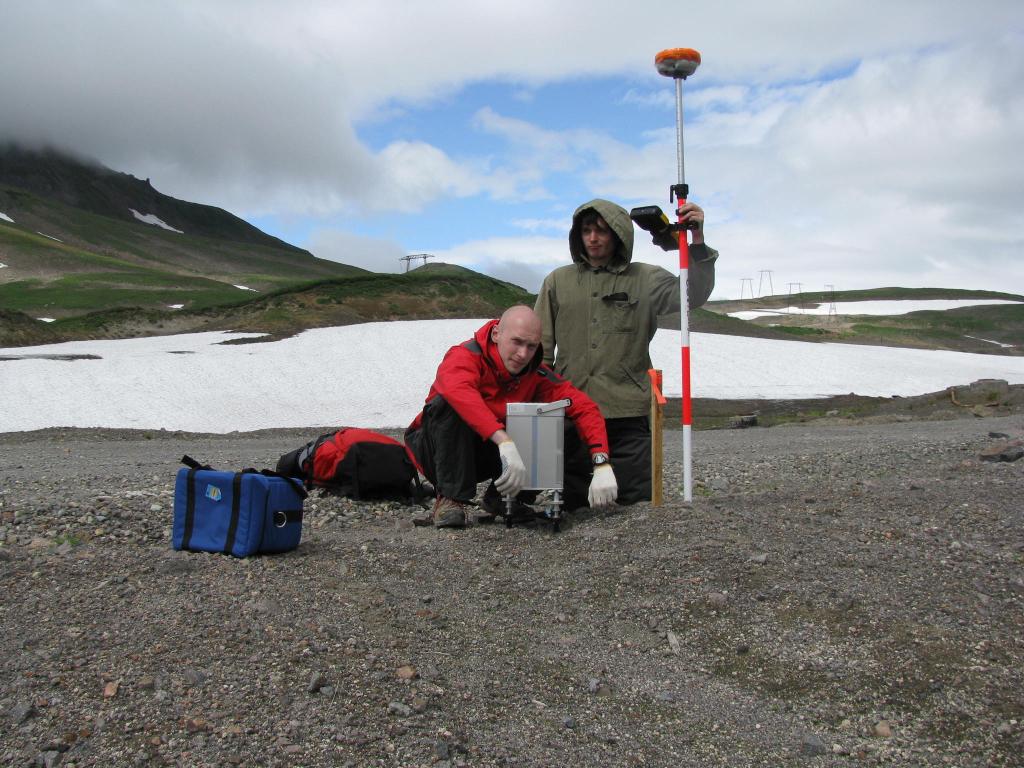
(630, 442)
(453, 457)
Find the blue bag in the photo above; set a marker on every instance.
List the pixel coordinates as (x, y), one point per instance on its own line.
(237, 513)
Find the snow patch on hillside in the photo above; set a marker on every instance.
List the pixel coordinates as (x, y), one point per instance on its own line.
(989, 341)
(149, 218)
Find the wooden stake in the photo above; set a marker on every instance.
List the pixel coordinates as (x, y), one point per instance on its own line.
(657, 455)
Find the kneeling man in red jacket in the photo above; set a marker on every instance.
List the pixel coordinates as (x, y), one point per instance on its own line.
(459, 437)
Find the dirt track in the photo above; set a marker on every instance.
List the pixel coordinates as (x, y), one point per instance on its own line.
(836, 595)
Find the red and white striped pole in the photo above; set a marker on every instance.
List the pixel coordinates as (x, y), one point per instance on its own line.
(679, 64)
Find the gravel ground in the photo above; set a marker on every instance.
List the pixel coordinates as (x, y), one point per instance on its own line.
(835, 595)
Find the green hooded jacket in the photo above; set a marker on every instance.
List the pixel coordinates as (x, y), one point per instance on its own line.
(598, 323)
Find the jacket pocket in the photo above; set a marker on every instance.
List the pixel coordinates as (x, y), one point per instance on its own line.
(629, 377)
(620, 315)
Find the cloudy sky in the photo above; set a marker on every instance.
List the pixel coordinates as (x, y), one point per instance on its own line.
(831, 143)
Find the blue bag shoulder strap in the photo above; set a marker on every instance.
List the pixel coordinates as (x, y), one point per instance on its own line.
(236, 512)
(295, 484)
(190, 507)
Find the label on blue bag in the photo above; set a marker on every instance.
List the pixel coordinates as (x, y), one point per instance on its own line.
(213, 493)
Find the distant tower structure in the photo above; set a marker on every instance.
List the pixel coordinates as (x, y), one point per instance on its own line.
(760, 282)
(799, 290)
(744, 284)
(408, 259)
(832, 314)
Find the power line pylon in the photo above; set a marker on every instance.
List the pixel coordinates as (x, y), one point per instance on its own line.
(408, 259)
(744, 283)
(760, 282)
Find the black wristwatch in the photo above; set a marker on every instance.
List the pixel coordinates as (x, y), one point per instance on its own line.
(600, 458)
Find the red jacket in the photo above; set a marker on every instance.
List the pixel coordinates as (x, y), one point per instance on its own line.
(474, 381)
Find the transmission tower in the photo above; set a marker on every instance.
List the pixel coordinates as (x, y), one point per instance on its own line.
(744, 283)
(408, 259)
(832, 314)
(760, 282)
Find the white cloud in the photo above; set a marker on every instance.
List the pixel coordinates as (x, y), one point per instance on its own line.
(872, 140)
(417, 173)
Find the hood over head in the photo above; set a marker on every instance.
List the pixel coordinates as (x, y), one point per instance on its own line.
(618, 219)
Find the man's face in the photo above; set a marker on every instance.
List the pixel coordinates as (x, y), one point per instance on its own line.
(598, 242)
(517, 339)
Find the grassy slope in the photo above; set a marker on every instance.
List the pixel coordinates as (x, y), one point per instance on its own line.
(286, 311)
(100, 263)
(706, 321)
(924, 329)
(892, 293)
(453, 292)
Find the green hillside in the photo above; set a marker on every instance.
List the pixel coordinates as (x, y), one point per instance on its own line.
(981, 329)
(364, 298)
(71, 245)
(84, 262)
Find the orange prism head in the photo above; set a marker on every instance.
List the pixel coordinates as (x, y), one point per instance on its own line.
(677, 62)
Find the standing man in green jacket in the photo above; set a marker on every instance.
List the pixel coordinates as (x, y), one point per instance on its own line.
(599, 315)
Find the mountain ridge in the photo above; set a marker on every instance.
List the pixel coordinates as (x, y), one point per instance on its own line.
(90, 186)
(70, 243)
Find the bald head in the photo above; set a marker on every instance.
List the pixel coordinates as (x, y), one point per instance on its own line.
(517, 335)
(520, 317)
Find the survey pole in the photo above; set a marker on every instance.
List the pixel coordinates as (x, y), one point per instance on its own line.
(680, 63)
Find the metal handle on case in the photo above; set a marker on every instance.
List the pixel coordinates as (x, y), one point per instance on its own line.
(557, 405)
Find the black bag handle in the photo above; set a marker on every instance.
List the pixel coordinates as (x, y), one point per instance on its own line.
(191, 463)
(188, 461)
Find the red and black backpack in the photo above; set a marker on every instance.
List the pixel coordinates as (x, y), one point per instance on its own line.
(355, 462)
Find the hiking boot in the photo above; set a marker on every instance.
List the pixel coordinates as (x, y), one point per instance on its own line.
(449, 513)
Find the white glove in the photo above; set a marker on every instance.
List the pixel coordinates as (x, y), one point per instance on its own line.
(513, 471)
(603, 488)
